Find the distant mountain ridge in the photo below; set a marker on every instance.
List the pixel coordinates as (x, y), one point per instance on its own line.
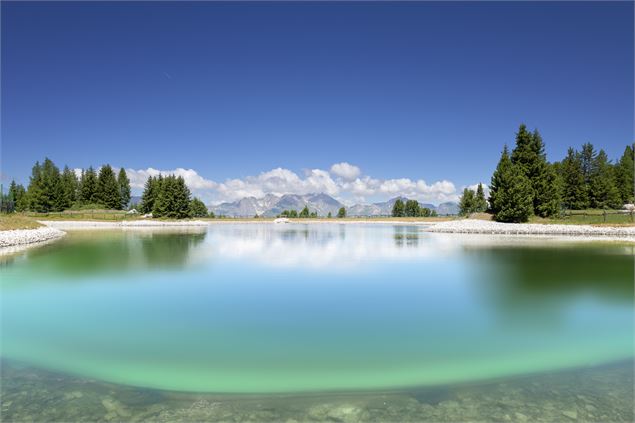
(272, 205)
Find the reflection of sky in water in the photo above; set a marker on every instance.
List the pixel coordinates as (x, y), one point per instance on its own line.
(301, 307)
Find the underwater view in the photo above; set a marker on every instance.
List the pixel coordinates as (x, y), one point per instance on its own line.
(323, 322)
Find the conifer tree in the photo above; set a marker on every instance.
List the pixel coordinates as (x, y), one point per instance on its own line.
(108, 188)
(173, 200)
(305, 212)
(124, 188)
(329, 215)
(587, 159)
(480, 204)
(575, 194)
(624, 175)
(17, 196)
(529, 155)
(341, 213)
(398, 208)
(412, 208)
(88, 187)
(604, 192)
(149, 195)
(467, 202)
(69, 188)
(44, 187)
(198, 208)
(513, 199)
(504, 165)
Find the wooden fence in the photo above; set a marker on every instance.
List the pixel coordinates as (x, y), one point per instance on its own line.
(601, 216)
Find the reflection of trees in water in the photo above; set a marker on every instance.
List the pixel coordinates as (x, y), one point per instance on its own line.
(406, 235)
(533, 276)
(81, 254)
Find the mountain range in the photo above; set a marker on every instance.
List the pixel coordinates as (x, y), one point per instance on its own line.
(272, 205)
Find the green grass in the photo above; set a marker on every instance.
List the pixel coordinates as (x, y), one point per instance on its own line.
(88, 214)
(17, 221)
(590, 217)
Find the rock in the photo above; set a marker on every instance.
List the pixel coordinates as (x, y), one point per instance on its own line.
(521, 417)
(572, 414)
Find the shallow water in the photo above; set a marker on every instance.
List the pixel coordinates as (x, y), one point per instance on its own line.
(295, 309)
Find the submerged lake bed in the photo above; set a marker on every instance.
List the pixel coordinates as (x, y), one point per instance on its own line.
(332, 322)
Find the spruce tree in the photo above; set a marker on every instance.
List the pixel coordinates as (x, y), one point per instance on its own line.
(603, 188)
(173, 200)
(341, 213)
(88, 187)
(575, 195)
(198, 208)
(480, 204)
(587, 159)
(44, 187)
(412, 208)
(398, 208)
(305, 212)
(69, 188)
(108, 188)
(148, 197)
(124, 188)
(504, 164)
(624, 175)
(467, 202)
(529, 155)
(513, 199)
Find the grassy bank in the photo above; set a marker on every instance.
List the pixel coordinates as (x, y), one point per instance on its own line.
(17, 221)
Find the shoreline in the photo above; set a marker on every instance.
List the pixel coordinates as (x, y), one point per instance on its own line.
(17, 239)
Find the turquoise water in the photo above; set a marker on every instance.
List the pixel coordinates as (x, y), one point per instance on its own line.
(303, 308)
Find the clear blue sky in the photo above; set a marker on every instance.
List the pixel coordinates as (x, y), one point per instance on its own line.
(416, 90)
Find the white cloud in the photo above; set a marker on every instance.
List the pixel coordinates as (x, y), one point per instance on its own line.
(193, 180)
(348, 186)
(345, 171)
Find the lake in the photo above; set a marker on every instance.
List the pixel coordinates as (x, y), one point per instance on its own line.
(339, 322)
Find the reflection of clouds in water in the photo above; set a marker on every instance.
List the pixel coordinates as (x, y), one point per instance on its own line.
(341, 245)
(322, 245)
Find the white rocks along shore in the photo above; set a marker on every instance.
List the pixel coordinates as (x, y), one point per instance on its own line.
(473, 226)
(28, 236)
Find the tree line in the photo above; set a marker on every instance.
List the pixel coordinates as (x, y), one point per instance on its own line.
(50, 190)
(168, 196)
(306, 213)
(411, 208)
(525, 183)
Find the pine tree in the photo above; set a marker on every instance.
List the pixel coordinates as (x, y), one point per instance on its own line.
(398, 208)
(587, 159)
(88, 187)
(513, 199)
(108, 188)
(329, 215)
(624, 175)
(173, 200)
(575, 194)
(69, 188)
(341, 213)
(529, 155)
(480, 204)
(603, 188)
(149, 195)
(124, 188)
(467, 202)
(504, 164)
(412, 208)
(44, 187)
(198, 208)
(305, 212)
(17, 196)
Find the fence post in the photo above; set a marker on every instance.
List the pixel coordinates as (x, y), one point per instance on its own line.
(604, 214)
(632, 216)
